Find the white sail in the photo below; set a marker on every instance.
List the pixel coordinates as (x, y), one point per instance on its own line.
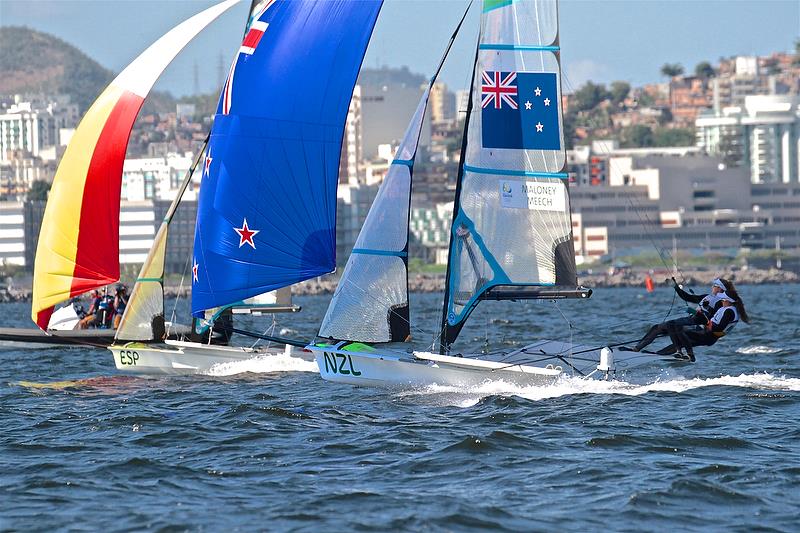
(512, 226)
(371, 301)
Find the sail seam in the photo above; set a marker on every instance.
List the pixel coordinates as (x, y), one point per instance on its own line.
(406, 162)
(522, 47)
(507, 172)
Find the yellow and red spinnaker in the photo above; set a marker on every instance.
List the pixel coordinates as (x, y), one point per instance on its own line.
(78, 246)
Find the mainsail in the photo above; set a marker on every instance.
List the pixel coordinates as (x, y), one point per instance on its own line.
(267, 210)
(511, 234)
(144, 315)
(78, 246)
(371, 301)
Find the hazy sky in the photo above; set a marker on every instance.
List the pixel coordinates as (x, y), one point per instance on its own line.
(601, 41)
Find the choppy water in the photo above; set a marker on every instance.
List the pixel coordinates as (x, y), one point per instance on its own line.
(715, 445)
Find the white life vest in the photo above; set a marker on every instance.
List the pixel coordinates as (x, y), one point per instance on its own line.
(706, 305)
(717, 318)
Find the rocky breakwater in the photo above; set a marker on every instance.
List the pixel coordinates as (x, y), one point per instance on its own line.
(635, 278)
(626, 278)
(435, 282)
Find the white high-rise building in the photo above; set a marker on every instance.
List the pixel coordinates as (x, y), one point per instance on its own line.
(764, 134)
(32, 125)
(157, 178)
(352, 143)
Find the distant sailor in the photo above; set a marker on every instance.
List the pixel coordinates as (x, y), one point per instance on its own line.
(724, 320)
(708, 304)
(120, 303)
(94, 307)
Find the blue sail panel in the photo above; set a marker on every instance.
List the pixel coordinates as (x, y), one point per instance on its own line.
(267, 210)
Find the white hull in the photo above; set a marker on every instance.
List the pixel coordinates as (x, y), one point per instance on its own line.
(538, 364)
(180, 357)
(391, 369)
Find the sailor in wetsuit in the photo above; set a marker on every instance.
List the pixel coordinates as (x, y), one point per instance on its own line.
(724, 320)
(707, 305)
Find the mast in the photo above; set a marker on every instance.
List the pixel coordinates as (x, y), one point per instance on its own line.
(511, 233)
(444, 346)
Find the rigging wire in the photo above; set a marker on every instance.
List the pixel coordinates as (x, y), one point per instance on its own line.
(661, 250)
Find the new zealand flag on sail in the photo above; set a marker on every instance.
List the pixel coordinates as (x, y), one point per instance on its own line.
(520, 110)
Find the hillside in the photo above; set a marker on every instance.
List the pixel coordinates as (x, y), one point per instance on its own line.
(36, 62)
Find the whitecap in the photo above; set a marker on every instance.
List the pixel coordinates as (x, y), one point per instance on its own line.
(757, 349)
(569, 385)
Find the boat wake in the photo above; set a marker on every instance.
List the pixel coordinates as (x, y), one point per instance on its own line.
(568, 385)
(263, 364)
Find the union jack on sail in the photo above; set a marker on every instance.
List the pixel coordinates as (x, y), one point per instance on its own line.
(499, 91)
(250, 42)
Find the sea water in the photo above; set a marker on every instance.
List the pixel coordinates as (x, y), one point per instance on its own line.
(268, 445)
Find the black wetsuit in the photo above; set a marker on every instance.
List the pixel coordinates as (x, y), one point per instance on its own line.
(723, 320)
(708, 304)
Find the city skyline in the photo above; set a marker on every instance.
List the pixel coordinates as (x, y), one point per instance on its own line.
(594, 46)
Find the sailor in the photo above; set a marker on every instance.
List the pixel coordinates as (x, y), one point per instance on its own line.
(707, 305)
(105, 311)
(94, 306)
(724, 320)
(120, 303)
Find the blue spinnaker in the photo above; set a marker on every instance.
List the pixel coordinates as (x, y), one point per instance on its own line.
(267, 211)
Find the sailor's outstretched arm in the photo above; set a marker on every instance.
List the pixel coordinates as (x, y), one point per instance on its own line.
(685, 296)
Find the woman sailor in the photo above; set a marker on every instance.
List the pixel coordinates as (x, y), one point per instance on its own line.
(708, 304)
(724, 320)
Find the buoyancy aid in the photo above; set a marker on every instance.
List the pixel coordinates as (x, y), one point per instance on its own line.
(718, 317)
(708, 305)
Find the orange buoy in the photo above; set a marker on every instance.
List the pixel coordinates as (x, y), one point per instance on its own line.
(648, 284)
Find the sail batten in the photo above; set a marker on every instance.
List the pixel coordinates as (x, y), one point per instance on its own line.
(511, 220)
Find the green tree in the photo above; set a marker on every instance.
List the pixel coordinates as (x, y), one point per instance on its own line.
(619, 91)
(589, 96)
(796, 60)
(673, 137)
(704, 70)
(38, 190)
(670, 70)
(643, 99)
(638, 136)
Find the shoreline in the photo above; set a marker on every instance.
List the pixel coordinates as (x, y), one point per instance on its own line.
(428, 283)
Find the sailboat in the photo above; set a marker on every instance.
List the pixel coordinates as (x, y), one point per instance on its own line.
(267, 208)
(510, 237)
(78, 247)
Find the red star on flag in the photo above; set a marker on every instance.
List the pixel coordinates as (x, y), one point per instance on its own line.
(207, 168)
(246, 235)
(194, 270)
